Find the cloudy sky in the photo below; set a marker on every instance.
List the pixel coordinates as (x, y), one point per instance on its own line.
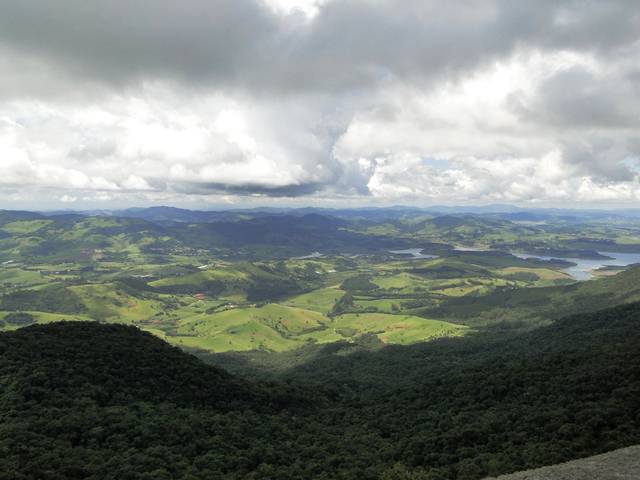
(205, 103)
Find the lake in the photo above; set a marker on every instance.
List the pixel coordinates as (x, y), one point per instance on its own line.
(583, 270)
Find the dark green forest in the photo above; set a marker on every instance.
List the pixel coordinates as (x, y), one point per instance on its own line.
(81, 400)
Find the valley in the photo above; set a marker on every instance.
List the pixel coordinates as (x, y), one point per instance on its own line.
(276, 283)
(298, 344)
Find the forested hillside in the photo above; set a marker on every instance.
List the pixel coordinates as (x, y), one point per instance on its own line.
(84, 400)
(540, 304)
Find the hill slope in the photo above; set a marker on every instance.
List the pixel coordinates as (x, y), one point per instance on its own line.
(49, 365)
(91, 401)
(544, 303)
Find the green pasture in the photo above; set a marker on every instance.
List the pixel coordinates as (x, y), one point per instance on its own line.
(321, 300)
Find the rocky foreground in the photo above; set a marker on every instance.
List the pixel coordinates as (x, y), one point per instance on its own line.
(623, 464)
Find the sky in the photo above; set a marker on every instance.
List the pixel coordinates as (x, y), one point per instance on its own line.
(210, 103)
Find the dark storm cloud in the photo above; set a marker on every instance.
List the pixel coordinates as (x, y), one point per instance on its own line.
(578, 98)
(598, 156)
(120, 39)
(255, 189)
(350, 43)
(595, 113)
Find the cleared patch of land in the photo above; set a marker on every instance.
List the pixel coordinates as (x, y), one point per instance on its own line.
(275, 327)
(321, 300)
(402, 329)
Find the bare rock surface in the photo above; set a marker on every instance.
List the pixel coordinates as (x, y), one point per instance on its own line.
(623, 464)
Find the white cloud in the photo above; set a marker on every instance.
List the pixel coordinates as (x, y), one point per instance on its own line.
(489, 152)
(309, 8)
(345, 99)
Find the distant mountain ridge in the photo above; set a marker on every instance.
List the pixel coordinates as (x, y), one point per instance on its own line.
(507, 212)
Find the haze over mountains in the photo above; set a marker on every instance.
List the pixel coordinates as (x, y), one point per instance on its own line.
(509, 212)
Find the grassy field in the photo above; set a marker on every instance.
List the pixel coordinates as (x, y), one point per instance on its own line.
(383, 305)
(25, 226)
(257, 291)
(269, 327)
(321, 300)
(539, 276)
(203, 303)
(107, 302)
(401, 329)
(528, 307)
(198, 279)
(41, 317)
(279, 328)
(404, 282)
(18, 277)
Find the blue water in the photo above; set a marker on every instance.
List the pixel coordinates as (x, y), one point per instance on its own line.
(583, 270)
